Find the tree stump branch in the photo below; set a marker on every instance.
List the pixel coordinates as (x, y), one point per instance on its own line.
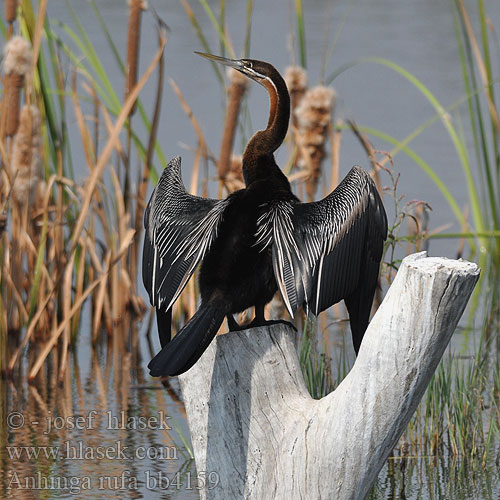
(255, 427)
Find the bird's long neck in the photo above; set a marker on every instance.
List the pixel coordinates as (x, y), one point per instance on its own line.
(265, 142)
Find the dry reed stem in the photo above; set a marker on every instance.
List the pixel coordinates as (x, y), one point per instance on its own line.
(417, 226)
(133, 39)
(119, 298)
(122, 216)
(95, 100)
(109, 127)
(80, 279)
(88, 147)
(235, 93)
(37, 37)
(371, 154)
(195, 176)
(299, 176)
(66, 289)
(100, 300)
(335, 138)
(16, 295)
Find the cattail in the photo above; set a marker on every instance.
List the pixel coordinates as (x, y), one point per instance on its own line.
(314, 115)
(26, 156)
(296, 81)
(10, 10)
(134, 34)
(235, 93)
(234, 176)
(16, 64)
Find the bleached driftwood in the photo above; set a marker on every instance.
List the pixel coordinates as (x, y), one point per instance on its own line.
(256, 429)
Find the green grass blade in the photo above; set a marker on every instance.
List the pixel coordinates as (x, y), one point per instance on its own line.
(299, 12)
(3, 29)
(248, 30)
(487, 64)
(222, 24)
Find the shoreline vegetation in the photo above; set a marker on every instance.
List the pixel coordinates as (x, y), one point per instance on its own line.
(70, 249)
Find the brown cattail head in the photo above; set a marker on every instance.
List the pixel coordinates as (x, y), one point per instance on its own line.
(314, 116)
(235, 93)
(17, 56)
(134, 35)
(10, 10)
(16, 64)
(26, 157)
(296, 81)
(234, 176)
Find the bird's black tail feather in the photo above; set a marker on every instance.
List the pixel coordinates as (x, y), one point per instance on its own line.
(164, 323)
(182, 352)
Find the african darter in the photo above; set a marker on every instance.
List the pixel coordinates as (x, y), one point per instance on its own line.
(258, 240)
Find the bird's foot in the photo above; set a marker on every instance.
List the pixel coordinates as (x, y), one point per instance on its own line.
(234, 326)
(260, 322)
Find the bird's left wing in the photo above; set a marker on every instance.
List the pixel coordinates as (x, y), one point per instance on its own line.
(179, 229)
(325, 251)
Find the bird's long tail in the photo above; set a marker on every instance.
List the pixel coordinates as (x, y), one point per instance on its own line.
(182, 352)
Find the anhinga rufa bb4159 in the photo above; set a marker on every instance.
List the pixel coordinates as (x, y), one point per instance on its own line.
(258, 240)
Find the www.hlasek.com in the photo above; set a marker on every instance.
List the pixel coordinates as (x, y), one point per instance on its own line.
(78, 450)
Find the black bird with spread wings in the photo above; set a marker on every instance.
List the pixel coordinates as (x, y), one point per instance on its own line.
(258, 240)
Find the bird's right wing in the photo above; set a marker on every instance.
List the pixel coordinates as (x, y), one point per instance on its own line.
(179, 229)
(327, 250)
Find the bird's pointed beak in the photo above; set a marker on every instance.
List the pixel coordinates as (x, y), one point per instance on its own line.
(233, 63)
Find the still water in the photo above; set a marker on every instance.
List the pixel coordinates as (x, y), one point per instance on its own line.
(128, 440)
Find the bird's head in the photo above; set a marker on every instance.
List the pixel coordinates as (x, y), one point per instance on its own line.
(259, 71)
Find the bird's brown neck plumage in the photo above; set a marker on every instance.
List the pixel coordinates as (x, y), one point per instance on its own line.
(258, 160)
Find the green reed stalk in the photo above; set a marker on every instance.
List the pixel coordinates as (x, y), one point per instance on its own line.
(299, 12)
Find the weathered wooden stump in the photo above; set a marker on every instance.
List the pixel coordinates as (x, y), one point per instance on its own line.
(255, 426)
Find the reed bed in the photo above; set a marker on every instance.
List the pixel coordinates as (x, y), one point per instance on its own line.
(66, 243)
